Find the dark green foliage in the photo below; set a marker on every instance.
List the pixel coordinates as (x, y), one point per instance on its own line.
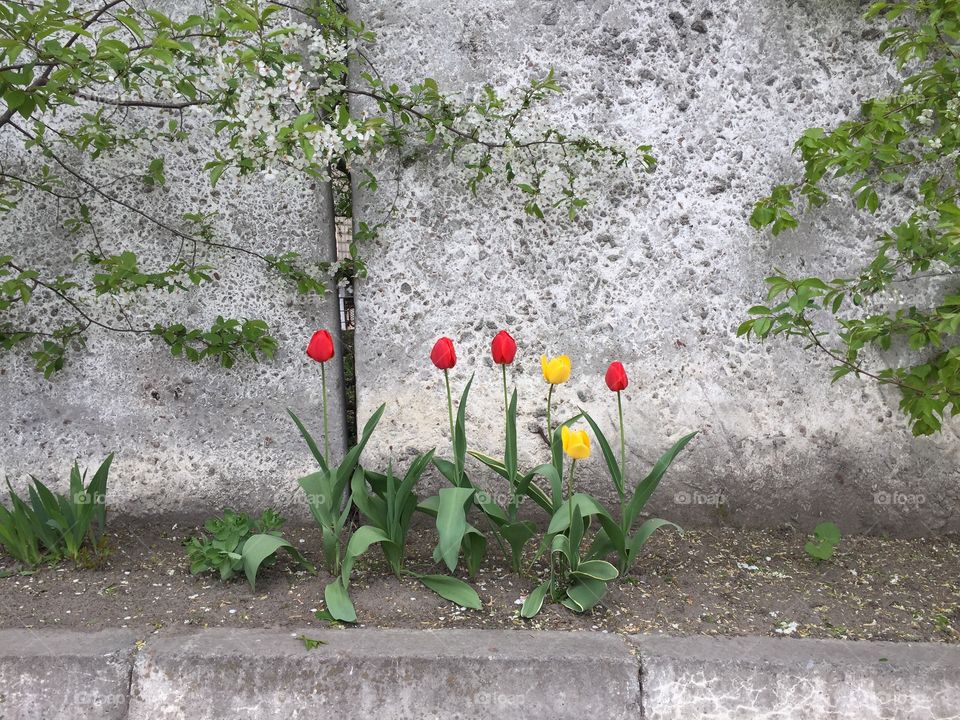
(48, 526)
(236, 542)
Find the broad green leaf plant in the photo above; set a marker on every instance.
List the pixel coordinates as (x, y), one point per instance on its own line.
(236, 542)
(896, 319)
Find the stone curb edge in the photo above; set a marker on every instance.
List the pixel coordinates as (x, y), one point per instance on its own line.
(465, 674)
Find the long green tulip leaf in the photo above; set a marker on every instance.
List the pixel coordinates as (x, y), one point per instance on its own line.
(259, 547)
(510, 453)
(361, 540)
(613, 465)
(533, 603)
(454, 590)
(452, 523)
(643, 534)
(586, 592)
(338, 602)
(646, 487)
(596, 570)
(496, 465)
(350, 460)
(584, 503)
(460, 433)
(517, 535)
(311, 443)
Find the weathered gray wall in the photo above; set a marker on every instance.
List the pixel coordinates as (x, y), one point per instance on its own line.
(658, 273)
(189, 438)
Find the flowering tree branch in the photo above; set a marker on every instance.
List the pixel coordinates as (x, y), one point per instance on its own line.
(270, 80)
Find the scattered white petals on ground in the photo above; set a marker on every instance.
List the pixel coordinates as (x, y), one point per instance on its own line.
(787, 628)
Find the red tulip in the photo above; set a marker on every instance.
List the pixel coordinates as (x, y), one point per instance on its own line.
(321, 346)
(503, 348)
(616, 377)
(443, 355)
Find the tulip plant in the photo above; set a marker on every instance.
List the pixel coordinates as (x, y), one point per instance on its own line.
(579, 576)
(504, 522)
(388, 506)
(581, 536)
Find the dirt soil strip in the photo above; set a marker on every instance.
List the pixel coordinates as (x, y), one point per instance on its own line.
(707, 582)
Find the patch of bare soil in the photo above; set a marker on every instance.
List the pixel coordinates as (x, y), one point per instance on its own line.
(714, 582)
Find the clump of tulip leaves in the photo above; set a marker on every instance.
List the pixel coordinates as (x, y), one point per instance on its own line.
(585, 546)
(896, 319)
(386, 503)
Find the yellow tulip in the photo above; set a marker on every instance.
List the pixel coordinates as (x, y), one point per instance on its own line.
(556, 370)
(576, 443)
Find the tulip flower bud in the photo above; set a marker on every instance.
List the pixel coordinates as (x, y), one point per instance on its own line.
(576, 443)
(616, 377)
(443, 355)
(503, 348)
(555, 370)
(321, 346)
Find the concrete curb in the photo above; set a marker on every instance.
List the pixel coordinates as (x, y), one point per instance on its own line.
(385, 674)
(466, 674)
(764, 677)
(52, 674)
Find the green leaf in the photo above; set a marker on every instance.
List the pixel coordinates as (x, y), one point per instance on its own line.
(585, 593)
(460, 433)
(361, 540)
(646, 487)
(510, 447)
(643, 534)
(338, 602)
(533, 603)
(496, 465)
(259, 547)
(827, 532)
(530, 489)
(311, 643)
(452, 522)
(585, 504)
(517, 535)
(452, 589)
(311, 443)
(350, 460)
(596, 570)
(613, 466)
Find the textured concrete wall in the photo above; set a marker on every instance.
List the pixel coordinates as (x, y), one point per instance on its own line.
(189, 438)
(659, 272)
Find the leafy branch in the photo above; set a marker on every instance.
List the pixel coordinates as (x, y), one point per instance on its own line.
(903, 147)
(271, 82)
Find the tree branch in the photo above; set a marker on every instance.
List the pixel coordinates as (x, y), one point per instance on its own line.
(137, 211)
(45, 76)
(853, 366)
(76, 308)
(120, 102)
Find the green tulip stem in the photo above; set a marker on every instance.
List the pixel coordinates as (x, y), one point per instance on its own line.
(326, 426)
(506, 401)
(506, 425)
(573, 467)
(623, 446)
(549, 426)
(446, 378)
